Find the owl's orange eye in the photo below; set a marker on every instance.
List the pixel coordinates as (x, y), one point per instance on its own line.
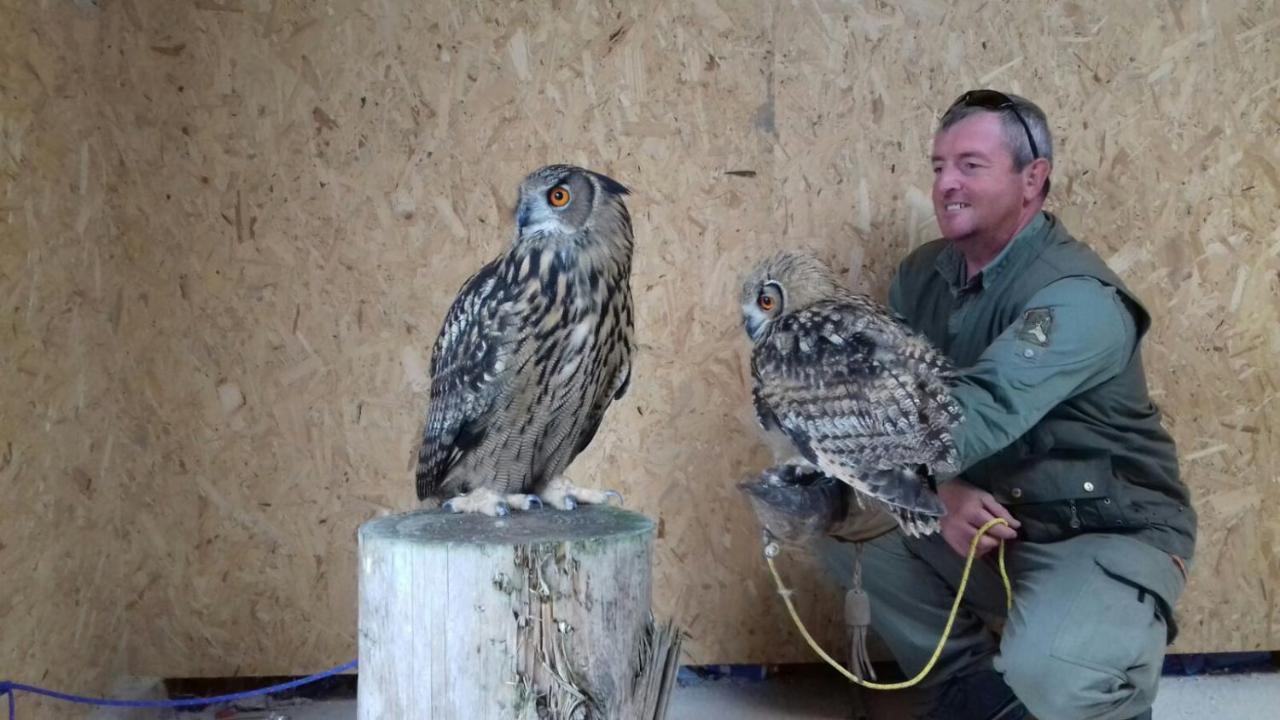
(766, 302)
(559, 196)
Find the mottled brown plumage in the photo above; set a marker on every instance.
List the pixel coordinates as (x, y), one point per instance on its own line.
(850, 388)
(533, 350)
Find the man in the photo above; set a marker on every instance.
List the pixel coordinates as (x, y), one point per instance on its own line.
(1060, 438)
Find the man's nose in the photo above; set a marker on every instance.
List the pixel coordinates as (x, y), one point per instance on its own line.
(946, 179)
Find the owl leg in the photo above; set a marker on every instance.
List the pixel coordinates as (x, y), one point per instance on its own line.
(564, 495)
(481, 500)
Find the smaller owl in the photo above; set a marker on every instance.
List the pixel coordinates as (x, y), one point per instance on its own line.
(848, 387)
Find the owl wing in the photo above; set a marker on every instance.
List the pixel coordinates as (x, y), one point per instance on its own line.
(619, 360)
(861, 397)
(470, 365)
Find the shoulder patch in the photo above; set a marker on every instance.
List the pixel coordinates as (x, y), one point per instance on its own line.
(1035, 326)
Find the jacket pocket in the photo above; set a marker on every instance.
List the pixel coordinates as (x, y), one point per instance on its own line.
(1061, 496)
(1116, 624)
(1155, 574)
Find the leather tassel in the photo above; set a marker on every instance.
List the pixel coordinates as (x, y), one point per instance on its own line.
(857, 620)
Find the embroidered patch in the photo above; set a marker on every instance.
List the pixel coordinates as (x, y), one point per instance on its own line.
(1036, 324)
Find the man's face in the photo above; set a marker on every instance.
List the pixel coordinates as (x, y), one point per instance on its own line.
(976, 192)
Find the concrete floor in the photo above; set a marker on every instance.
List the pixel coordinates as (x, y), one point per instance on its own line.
(1208, 697)
(817, 695)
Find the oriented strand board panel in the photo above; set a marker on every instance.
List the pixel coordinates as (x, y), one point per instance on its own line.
(240, 225)
(62, 599)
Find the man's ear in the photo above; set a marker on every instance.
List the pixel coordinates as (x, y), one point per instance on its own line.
(1036, 174)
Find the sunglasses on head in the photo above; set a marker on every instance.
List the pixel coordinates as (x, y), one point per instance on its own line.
(993, 100)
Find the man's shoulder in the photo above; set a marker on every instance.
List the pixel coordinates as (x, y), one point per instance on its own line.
(1069, 255)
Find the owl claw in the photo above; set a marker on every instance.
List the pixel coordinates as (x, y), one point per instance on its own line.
(562, 494)
(523, 502)
(482, 501)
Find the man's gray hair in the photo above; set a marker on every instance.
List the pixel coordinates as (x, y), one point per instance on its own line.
(1015, 136)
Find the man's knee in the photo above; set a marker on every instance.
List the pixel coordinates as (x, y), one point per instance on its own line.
(1087, 635)
(1048, 687)
(1053, 687)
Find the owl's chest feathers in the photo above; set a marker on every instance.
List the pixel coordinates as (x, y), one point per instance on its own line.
(564, 312)
(560, 287)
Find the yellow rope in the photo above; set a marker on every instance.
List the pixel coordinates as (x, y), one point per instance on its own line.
(946, 632)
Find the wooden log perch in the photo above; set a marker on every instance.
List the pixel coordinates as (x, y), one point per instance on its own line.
(541, 614)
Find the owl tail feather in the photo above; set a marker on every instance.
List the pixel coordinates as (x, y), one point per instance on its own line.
(904, 488)
(914, 505)
(914, 524)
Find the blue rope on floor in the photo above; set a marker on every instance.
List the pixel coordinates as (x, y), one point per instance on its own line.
(12, 689)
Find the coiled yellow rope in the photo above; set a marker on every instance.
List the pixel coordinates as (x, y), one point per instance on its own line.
(946, 632)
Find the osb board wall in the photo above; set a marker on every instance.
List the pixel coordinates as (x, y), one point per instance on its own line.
(61, 594)
(289, 194)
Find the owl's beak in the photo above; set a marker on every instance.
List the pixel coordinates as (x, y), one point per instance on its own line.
(523, 214)
(752, 323)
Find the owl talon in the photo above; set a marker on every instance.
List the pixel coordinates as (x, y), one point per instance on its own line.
(560, 493)
(523, 502)
(483, 501)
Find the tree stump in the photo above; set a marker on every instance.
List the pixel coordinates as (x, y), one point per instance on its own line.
(541, 614)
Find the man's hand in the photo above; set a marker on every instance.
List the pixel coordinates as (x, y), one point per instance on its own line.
(968, 509)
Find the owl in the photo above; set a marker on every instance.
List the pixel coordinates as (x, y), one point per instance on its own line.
(843, 385)
(533, 350)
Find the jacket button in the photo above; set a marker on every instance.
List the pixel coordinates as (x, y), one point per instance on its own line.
(1088, 487)
(1016, 493)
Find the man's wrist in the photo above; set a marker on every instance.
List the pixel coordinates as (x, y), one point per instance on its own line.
(942, 478)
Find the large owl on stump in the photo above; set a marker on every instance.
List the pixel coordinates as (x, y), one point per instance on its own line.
(534, 349)
(849, 387)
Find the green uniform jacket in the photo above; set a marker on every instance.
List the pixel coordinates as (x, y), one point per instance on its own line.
(1058, 426)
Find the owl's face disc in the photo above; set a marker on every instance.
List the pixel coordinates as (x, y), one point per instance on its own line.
(561, 199)
(762, 308)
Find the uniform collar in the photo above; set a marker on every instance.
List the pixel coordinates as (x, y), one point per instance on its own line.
(951, 265)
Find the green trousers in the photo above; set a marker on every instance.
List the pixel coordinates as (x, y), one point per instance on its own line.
(1085, 639)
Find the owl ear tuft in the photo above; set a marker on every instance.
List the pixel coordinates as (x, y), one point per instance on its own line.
(611, 185)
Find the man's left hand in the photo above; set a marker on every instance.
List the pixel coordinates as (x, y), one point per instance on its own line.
(968, 509)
